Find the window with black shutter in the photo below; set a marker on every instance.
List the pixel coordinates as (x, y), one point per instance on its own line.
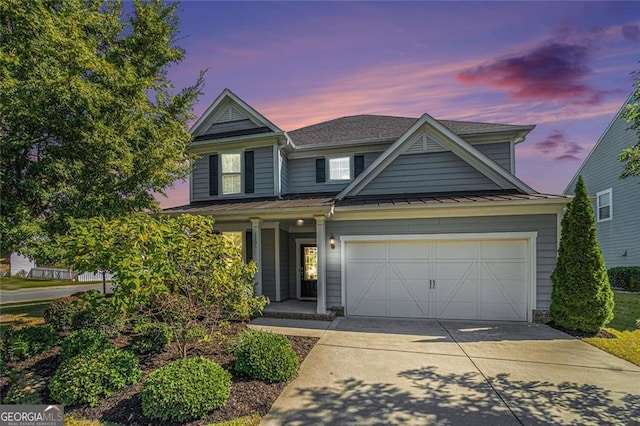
(248, 173)
(320, 173)
(358, 164)
(213, 174)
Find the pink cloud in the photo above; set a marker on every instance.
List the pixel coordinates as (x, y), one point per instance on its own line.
(558, 145)
(551, 71)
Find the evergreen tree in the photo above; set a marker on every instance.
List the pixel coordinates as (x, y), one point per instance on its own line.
(582, 298)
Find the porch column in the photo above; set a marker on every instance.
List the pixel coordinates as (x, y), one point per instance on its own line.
(256, 242)
(321, 243)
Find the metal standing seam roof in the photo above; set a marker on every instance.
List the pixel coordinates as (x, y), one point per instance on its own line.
(381, 127)
(328, 201)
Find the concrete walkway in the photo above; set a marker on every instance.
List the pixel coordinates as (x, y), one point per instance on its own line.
(383, 371)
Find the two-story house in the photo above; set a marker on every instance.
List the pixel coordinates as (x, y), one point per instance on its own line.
(377, 215)
(616, 201)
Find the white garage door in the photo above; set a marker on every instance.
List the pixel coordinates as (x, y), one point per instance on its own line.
(480, 279)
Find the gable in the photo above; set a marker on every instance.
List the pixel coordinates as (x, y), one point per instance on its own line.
(428, 137)
(230, 116)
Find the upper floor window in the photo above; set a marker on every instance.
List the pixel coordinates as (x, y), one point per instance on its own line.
(231, 173)
(604, 205)
(340, 168)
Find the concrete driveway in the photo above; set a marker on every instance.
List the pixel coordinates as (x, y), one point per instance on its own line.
(384, 371)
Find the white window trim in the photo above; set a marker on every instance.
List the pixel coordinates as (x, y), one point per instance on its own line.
(328, 168)
(610, 192)
(221, 174)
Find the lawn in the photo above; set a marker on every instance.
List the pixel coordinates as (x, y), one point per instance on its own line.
(16, 283)
(626, 341)
(22, 314)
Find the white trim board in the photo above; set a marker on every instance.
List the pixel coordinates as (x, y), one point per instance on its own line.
(529, 237)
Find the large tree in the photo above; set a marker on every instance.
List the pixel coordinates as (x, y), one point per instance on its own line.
(581, 298)
(89, 122)
(631, 156)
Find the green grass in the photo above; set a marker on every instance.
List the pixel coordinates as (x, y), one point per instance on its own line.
(250, 420)
(626, 311)
(626, 341)
(16, 283)
(24, 313)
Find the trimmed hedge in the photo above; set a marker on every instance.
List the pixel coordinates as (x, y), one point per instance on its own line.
(625, 277)
(61, 313)
(185, 389)
(265, 356)
(87, 379)
(29, 341)
(84, 342)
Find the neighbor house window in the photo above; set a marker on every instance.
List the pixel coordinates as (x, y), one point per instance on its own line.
(231, 173)
(604, 205)
(340, 168)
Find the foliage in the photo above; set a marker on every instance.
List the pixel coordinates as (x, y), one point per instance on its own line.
(61, 313)
(203, 385)
(625, 311)
(265, 356)
(3, 366)
(150, 339)
(91, 125)
(190, 276)
(85, 379)
(29, 341)
(84, 342)
(24, 388)
(625, 277)
(623, 344)
(250, 420)
(581, 298)
(631, 156)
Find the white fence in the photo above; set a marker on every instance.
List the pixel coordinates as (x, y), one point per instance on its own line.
(66, 274)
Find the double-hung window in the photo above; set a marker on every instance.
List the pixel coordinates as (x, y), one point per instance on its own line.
(340, 168)
(231, 173)
(604, 205)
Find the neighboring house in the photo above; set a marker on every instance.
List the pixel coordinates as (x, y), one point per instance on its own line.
(20, 264)
(616, 201)
(377, 215)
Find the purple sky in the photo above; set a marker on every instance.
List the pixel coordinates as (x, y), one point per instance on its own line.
(565, 66)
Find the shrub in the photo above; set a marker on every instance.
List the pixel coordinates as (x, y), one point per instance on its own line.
(150, 339)
(185, 389)
(265, 356)
(29, 341)
(61, 313)
(97, 312)
(85, 379)
(84, 342)
(625, 277)
(581, 298)
(24, 389)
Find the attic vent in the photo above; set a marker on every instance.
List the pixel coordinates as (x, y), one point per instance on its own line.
(230, 113)
(424, 143)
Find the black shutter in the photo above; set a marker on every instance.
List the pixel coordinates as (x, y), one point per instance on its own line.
(248, 172)
(358, 165)
(213, 174)
(248, 243)
(320, 173)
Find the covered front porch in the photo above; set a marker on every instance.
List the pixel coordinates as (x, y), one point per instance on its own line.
(287, 240)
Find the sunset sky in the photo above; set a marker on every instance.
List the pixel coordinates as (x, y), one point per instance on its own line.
(564, 66)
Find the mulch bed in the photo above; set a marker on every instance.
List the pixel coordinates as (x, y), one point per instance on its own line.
(582, 334)
(247, 396)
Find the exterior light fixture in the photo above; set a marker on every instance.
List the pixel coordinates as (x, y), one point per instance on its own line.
(300, 222)
(332, 242)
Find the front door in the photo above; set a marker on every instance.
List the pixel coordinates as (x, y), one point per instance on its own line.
(309, 271)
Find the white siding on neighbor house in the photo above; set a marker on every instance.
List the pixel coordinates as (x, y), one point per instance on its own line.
(20, 263)
(428, 173)
(302, 175)
(602, 171)
(546, 251)
(500, 152)
(263, 175)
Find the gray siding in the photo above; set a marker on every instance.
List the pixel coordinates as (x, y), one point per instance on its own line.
(268, 263)
(602, 171)
(302, 175)
(500, 152)
(284, 174)
(545, 225)
(429, 172)
(284, 265)
(263, 169)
